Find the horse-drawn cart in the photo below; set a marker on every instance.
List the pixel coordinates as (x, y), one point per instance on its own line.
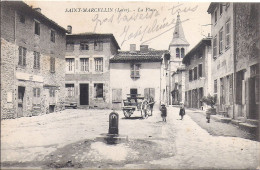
(136, 103)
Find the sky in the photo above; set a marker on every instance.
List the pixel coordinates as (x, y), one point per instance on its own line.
(148, 23)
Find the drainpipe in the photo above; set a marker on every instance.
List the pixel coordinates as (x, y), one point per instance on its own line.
(234, 58)
(14, 67)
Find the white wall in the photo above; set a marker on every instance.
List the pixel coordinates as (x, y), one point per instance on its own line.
(149, 78)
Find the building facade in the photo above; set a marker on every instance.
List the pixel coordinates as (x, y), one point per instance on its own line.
(87, 79)
(247, 56)
(222, 30)
(235, 65)
(178, 86)
(32, 62)
(178, 47)
(136, 73)
(198, 74)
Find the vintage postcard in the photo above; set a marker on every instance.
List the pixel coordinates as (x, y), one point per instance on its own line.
(130, 85)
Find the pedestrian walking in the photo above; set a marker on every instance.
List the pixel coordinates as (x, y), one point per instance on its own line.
(163, 112)
(182, 111)
(144, 108)
(151, 103)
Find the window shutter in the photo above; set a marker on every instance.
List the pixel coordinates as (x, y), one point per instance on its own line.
(20, 56)
(34, 92)
(24, 56)
(35, 60)
(39, 61)
(39, 92)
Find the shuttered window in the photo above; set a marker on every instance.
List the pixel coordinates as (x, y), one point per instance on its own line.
(200, 70)
(99, 64)
(52, 92)
(215, 86)
(36, 62)
(22, 56)
(228, 34)
(195, 73)
(70, 62)
(231, 88)
(84, 64)
(70, 92)
(36, 92)
(52, 64)
(221, 42)
(135, 71)
(37, 28)
(52, 36)
(190, 75)
(116, 95)
(84, 46)
(215, 47)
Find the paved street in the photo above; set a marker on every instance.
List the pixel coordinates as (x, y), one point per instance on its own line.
(68, 139)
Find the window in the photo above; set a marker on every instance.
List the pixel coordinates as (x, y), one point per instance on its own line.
(195, 73)
(98, 45)
(215, 47)
(177, 53)
(70, 64)
(22, 56)
(190, 75)
(135, 71)
(228, 34)
(52, 92)
(182, 52)
(231, 88)
(98, 93)
(84, 66)
(221, 43)
(84, 46)
(22, 18)
(37, 27)
(220, 9)
(52, 64)
(215, 86)
(99, 64)
(200, 70)
(36, 63)
(216, 16)
(36, 92)
(70, 46)
(52, 35)
(70, 92)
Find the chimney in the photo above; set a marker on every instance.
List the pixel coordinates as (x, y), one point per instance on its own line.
(37, 9)
(69, 29)
(143, 48)
(132, 48)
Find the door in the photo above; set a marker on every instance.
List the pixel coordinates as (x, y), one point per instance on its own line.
(116, 98)
(84, 94)
(21, 91)
(253, 96)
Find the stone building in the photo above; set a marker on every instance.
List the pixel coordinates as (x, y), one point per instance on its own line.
(178, 85)
(178, 47)
(247, 58)
(136, 73)
(87, 79)
(235, 65)
(198, 73)
(32, 61)
(222, 30)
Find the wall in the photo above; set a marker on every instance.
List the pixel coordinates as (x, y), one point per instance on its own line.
(149, 78)
(15, 34)
(77, 77)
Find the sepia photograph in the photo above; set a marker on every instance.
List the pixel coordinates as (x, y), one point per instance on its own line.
(129, 84)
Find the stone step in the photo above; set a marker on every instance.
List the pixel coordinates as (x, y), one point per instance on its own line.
(248, 127)
(220, 118)
(252, 122)
(236, 122)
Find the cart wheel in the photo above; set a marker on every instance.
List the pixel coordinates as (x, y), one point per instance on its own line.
(128, 113)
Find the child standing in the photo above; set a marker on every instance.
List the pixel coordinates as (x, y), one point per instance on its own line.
(182, 111)
(163, 112)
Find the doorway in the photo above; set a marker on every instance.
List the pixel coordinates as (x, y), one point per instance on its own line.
(84, 94)
(21, 91)
(133, 92)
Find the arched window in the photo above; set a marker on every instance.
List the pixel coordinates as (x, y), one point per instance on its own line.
(177, 53)
(182, 52)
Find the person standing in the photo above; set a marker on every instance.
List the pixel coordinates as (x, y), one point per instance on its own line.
(151, 103)
(182, 111)
(163, 112)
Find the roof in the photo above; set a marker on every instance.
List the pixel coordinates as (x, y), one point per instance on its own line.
(212, 6)
(21, 6)
(138, 56)
(94, 35)
(201, 44)
(178, 34)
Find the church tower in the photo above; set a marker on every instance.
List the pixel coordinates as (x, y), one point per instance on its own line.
(178, 46)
